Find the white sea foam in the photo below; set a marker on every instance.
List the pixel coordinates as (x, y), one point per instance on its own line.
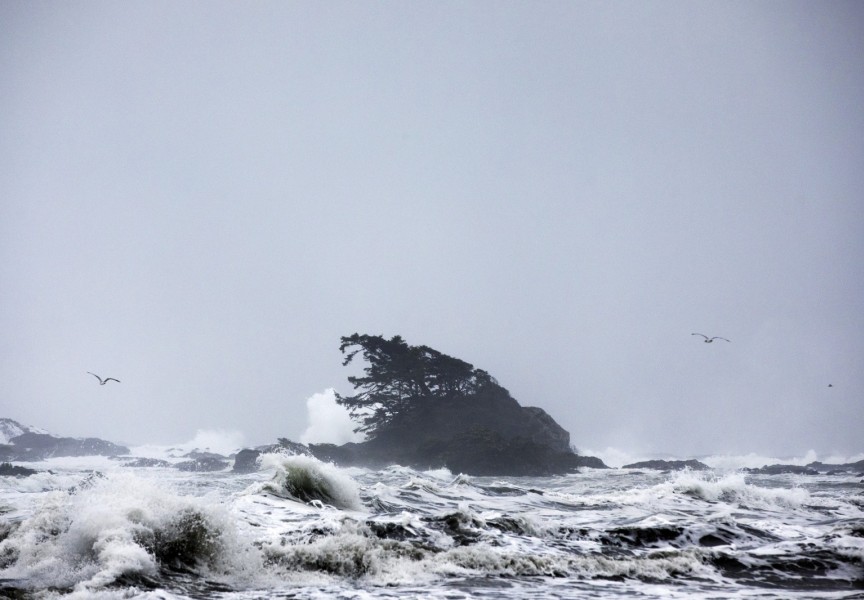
(485, 560)
(73, 463)
(115, 525)
(281, 532)
(733, 488)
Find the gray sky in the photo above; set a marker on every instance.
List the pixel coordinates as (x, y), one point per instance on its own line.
(199, 198)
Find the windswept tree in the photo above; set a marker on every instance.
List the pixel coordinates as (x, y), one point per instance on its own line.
(399, 378)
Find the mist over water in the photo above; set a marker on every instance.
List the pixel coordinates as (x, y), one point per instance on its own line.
(216, 441)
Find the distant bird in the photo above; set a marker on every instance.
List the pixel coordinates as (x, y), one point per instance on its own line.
(103, 381)
(830, 385)
(711, 339)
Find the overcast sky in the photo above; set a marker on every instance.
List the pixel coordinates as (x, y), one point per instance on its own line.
(200, 198)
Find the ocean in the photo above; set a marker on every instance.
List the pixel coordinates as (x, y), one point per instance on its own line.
(299, 528)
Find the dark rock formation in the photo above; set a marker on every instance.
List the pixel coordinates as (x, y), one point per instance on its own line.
(491, 409)
(668, 465)
(475, 452)
(422, 408)
(782, 470)
(10, 470)
(487, 434)
(838, 469)
(246, 461)
(286, 446)
(7, 452)
(32, 447)
(483, 451)
(490, 438)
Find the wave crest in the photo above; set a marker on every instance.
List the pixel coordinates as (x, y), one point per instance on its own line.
(309, 480)
(733, 488)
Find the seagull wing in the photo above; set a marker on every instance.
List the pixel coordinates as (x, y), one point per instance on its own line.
(717, 337)
(702, 334)
(112, 379)
(96, 376)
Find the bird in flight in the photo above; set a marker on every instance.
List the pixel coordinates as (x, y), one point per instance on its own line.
(103, 381)
(711, 339)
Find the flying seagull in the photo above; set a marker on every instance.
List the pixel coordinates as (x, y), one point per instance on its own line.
(103, 381)
(711, 339)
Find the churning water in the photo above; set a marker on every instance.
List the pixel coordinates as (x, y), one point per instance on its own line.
(302, 529)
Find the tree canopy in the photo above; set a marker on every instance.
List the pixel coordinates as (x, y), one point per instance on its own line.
(399, 377)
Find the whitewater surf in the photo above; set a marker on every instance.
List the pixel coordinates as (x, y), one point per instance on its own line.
(300, 528)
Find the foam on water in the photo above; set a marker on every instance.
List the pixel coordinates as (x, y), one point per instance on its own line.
(306, 529)
(120, 526)
(732, 488)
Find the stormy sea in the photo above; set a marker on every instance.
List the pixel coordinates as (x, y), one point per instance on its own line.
(97, 527)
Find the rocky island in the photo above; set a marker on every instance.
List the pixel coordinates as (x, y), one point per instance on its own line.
(424, 409)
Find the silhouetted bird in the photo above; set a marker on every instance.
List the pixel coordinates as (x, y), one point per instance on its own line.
(709, 340)
(103, 381)
(830, 385)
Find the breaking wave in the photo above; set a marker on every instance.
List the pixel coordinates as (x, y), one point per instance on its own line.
(119, 528)
(732, 488)
(309, 480)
